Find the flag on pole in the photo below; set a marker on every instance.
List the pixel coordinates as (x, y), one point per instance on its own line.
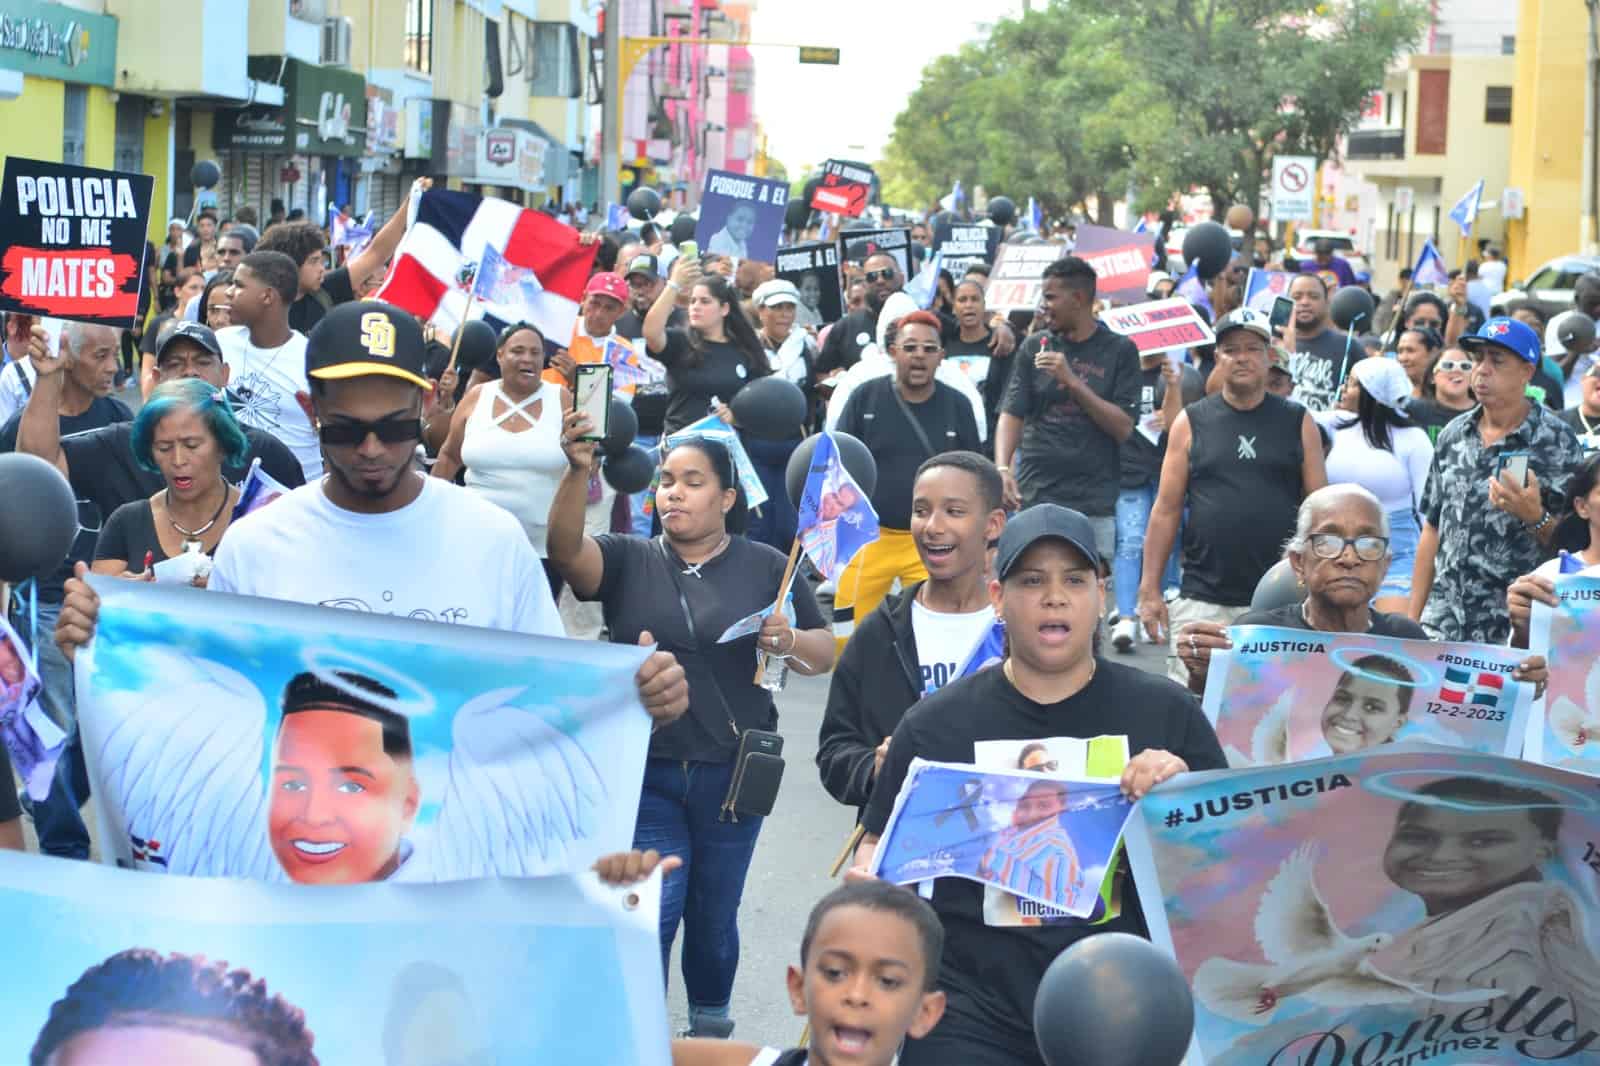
(258, 489)
(1191, 288)
(925, 286)
(1035, 215)
(435, 270)
(953, 199)
(1430, 267)
(1465, 212)
(1141, 226)
(616, 216)
(836, 519)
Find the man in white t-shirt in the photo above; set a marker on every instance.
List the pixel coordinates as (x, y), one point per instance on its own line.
(918, 641)
(375, 534)
(267, 359)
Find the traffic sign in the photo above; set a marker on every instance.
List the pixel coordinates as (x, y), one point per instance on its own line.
(825, 56)
(1293, 187)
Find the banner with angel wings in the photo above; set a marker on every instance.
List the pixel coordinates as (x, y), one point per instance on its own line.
(1564, 728)
(1285, 695)
(1410, 905)
(240, 737)
(130, 969)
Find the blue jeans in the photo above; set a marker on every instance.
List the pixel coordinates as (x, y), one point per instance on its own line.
(1127, 566)
(56, 819)
(678, 815)
(636, 516)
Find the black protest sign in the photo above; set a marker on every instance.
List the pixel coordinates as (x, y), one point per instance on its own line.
(963, 245)
(845, 188)
(814, 270)
(74, 241)
(858, 244)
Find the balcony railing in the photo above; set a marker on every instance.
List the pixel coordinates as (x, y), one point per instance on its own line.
(1376, 144)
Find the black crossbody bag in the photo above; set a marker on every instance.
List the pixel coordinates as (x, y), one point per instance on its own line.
(758, 764)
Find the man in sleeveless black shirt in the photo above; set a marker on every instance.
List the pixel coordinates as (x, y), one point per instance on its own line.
(1241, 460)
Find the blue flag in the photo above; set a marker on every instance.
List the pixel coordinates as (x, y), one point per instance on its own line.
(1430, 267)
(1191, 288)
(616, 216)
(1141, 226)
(953, 199)
(836, 519)
(989, 650)
(1035, 215)
(1465, 212)
(827, 220)
(925, 286)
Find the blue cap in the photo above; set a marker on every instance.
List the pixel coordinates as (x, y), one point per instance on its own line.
(1515, 337)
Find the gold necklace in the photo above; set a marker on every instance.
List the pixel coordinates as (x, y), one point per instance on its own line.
(1005, 668)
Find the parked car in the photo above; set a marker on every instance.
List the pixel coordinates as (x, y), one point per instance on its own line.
(1344, 246)
(1550, 287)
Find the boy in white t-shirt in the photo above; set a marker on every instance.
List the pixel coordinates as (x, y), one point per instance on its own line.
(375, 534)
(917, 642)
(266, 359)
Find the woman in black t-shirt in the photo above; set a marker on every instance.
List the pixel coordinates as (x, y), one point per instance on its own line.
(187, 433)
(712, 359)
(684, 590)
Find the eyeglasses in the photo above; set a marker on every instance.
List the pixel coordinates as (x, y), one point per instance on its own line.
(351, 434)
(874, 276)
(1369, 549)
(1447, 365)
(923, 349)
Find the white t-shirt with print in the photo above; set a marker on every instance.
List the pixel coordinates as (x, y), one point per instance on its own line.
(265, 380)
(448, 556)
(945, 640)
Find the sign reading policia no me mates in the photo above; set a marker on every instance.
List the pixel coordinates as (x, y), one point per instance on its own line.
(72, 241)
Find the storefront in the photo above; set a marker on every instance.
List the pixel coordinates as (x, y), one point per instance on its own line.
(381, 189)
(68, 60)
(307, 152)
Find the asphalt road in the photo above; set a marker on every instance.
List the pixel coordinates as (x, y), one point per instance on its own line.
(798, 846)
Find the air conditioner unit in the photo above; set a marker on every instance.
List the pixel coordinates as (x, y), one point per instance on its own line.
(336, 37)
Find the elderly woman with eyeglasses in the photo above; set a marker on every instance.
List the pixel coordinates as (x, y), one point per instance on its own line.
(1339, 553)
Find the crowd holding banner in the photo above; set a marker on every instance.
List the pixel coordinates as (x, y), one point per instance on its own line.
(1358, 845)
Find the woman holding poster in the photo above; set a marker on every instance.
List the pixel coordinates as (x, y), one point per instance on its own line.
(707, 593)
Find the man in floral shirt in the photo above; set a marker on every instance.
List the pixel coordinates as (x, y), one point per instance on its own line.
(1484, 523)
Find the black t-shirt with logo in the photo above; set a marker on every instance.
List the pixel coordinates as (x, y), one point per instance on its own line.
(873, 416)
(845, 342)
(721, 371)
(1141, 457)
(1315, 365)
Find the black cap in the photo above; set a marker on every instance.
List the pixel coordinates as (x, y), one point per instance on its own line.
(189, 331)
(1041, 521)
(644, 263)
(367, 337)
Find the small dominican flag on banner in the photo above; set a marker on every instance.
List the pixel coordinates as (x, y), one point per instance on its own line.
(147, 851)
(1473, 689)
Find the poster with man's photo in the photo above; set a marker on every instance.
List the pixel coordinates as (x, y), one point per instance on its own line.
(231, 736)
(136, 970)
(1286, 695)
(32, 739)
(1564, 728)
(1405, 905)
(741, 217)
(813, 269)
(963, 244)
(858, 245)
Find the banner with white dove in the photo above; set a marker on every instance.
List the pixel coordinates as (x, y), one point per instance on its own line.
(231, 736)
(1411, 905)
(1564, 728)
(1284, 695)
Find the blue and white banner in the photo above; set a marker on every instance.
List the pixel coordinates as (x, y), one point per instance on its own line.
(1564, 728)
(113, 966)
(239, 737)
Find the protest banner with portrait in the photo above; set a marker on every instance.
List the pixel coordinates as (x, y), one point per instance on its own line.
(72, 241)
(741, 216)
(813, 269)
(1286, 695)
(1016, 282)
(1121, 261)
(32, 739)
(1263, 287)
(132, 969)
(1042, 837)
(1409, 905)
(964, 244)
(239, 737)
(845, 188)
(856, 245)
(1564, 728)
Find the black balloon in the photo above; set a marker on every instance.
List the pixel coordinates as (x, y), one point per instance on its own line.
(772, 408)
(1208, 245)
(1352, 309)
(38, 517)
(478, 344)
(682, 228)
(1278, 587)
(622, 426)
(1002, 210)
(857, 460)
(1575, 331)
(629, 471)
(643, 203)
(205, 174)
(1113, 999)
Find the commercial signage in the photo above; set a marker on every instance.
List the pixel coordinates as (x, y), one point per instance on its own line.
(511, 157)
(324, 112)
(52, 41)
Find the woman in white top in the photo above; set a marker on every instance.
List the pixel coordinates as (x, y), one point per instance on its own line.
(1379, 449)
(507, 434)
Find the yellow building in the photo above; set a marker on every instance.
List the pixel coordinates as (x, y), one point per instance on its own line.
(1547, 134)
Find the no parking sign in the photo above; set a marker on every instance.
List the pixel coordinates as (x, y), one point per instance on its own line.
(1294, 186)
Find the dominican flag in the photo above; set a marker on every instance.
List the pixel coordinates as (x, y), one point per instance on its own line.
(1430, 267)
(1462, 686)
(836, 518)
(1465, 212)
(436, 268)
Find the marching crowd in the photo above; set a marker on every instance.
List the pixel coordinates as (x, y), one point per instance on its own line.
(1032, 468)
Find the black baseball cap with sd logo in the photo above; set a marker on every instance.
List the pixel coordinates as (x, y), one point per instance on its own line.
(364, 338)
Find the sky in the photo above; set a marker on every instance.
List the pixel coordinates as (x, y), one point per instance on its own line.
(813, 112)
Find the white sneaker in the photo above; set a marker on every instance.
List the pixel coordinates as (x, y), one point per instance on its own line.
(1124, 634)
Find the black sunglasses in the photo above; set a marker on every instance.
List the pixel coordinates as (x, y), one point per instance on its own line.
(872, 276)
(388, 430)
